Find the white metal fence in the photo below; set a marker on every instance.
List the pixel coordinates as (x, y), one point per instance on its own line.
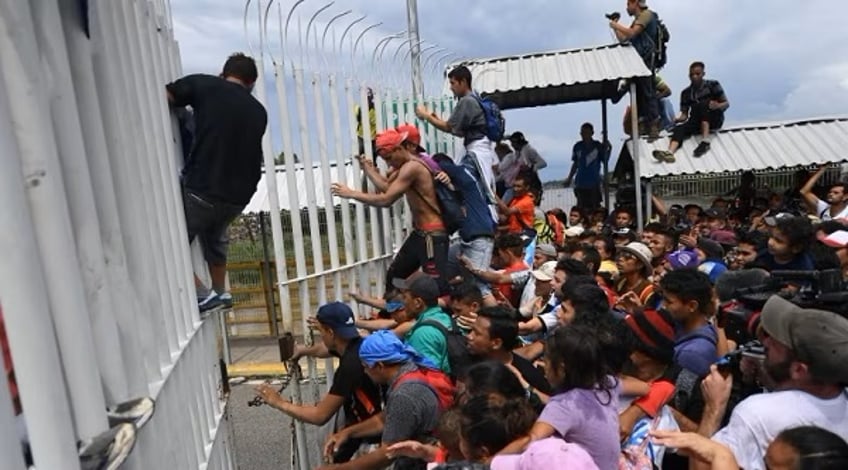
(96, 285)
(316, 102)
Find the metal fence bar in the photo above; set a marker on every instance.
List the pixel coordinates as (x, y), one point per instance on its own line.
(342, 175)
(362, 247)
(131, 210)
(25, 307)
(329, 208)
(141, 175)
(30, 115)
(80, 54)
(311, 207)
(126, 15)
(80, 199)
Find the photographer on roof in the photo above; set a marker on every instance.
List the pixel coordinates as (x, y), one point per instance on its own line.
(642, 35)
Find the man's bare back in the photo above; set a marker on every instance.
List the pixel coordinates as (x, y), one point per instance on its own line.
(421, 196)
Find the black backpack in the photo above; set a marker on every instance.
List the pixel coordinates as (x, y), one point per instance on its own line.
(663, 36)
(458, 356)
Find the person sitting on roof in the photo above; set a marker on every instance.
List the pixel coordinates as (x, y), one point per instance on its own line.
(702, 107)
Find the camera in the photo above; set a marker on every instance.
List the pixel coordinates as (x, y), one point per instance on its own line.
(614, 16)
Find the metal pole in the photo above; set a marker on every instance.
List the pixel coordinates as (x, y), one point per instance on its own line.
(26, 309)
(266, 267)
(343, 175)
(31, 121)
(80, 56)
(124, 155)
(80, 198)
(637, 180)
(356, 44)
(296, 230)
(412, 27)
(649, 196)
(605, 133)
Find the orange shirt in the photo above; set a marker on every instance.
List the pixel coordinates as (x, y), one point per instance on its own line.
(527, 208)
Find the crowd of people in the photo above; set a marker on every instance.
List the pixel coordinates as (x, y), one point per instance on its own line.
(511, 338)
(507, 337)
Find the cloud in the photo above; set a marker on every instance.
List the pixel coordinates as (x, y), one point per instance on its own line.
(777, 60)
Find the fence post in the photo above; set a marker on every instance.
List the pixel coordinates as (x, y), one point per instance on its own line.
(26, 309)
(31, 122)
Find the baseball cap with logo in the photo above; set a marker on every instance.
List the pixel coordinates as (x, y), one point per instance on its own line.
(552, 452)
(817, 338)
(546, 271)
(338, 317)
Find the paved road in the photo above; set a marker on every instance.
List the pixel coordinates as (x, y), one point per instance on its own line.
(263, 435)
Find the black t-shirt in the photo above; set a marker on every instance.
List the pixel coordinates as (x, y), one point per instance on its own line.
(710, 90)
(531, 374)
(362, 397)
(226, 157)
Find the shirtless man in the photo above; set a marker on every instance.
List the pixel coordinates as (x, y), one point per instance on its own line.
(427, 245)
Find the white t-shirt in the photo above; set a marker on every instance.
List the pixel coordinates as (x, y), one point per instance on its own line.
(758, 419)
(823, 211)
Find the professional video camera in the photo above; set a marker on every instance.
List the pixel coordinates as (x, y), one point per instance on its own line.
(824, 290)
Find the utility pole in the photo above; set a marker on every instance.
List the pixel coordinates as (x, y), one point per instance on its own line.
(415, 45)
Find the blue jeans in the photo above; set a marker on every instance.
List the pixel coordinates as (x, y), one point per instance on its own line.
(479, 252)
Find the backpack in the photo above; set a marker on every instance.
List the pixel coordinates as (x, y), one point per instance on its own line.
(663, 36)
(435, 380)
(544, 230)
(458, 356)
(495, 122)
(558, 229)
(449, 201)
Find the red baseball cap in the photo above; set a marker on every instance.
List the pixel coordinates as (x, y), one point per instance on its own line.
(389, 140)
(413, 135)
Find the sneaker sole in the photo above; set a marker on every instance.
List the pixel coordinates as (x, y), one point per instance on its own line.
(124, 442)
(143, 408)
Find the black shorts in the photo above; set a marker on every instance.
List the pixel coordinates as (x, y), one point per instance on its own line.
(209, 220)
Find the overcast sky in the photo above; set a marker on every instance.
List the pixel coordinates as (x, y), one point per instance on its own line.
(777, 60)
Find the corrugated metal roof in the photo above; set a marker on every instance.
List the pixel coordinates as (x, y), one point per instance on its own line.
(565, 76)
(753, 147)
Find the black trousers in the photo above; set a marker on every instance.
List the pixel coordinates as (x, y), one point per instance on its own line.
(692, 126)
(425, 250)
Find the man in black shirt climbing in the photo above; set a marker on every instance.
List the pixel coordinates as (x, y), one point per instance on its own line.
(225, 162)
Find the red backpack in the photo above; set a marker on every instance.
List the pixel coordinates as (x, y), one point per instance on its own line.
(558, 229)
(435, 380)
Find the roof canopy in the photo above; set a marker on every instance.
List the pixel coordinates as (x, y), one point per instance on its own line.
(259, 201)
(752, 147)
(566, 76)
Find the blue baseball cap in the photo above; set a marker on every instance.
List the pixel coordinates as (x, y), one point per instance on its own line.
(338, 317)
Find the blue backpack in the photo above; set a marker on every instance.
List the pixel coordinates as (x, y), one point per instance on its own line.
(495, 122)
